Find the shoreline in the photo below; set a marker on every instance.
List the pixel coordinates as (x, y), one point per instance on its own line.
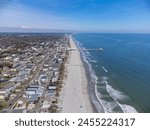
(75, 95)
(92, 92)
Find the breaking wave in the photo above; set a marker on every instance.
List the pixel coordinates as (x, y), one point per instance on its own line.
(110, 99)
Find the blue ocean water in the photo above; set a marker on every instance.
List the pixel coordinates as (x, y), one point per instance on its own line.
(122, 70)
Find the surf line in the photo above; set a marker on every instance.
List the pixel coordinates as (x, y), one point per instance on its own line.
(105, 69)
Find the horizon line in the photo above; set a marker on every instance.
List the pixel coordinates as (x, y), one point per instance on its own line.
(49, 30)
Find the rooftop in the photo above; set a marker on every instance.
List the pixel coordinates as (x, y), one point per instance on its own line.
(17, 66)
(33, 98)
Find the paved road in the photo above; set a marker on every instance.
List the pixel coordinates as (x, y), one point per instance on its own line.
(38, 106)
(35, 75)
(12, 102)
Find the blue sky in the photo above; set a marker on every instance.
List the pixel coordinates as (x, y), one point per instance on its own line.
(77, 15)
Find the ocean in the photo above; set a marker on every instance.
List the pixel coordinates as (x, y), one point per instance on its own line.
(121, 72)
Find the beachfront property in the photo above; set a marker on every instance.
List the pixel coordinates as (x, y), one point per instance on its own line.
(54, 79)
(45, 104)
(51, 88)
(34, 73)
(59, 60)
(51, 91)
(56, 67)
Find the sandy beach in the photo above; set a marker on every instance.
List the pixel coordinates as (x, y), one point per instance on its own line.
(75, 94)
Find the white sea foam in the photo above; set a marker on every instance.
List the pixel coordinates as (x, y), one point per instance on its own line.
(109, 106)
(105, 69)
(87, 52)
(98, 94)
(93, 61)
(128, 108)
(118, 95)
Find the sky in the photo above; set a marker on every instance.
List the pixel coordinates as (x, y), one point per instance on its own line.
(77, 15)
